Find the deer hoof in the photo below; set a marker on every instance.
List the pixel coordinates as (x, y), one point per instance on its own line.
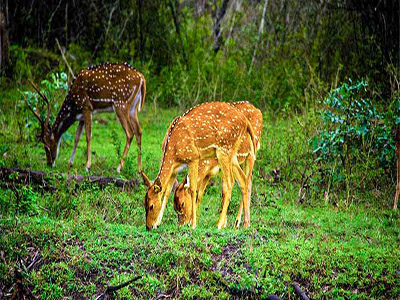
(237, 223)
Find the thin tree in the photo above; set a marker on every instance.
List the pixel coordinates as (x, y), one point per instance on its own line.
(218, 15)
(260, 30)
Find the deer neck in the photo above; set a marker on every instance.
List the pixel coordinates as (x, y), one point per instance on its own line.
(65, 118)
(165, 174)
(166, 170)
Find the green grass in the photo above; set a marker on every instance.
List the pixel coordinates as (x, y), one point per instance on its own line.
(89, 237)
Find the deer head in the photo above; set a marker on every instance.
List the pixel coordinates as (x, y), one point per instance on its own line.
(151, 205)
(46, 135)
(182, 205)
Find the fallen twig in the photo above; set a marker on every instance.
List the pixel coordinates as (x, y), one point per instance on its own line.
(35, 259)
(111, 289)
(299, 292)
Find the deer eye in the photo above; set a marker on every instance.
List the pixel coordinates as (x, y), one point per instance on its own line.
(151, 207)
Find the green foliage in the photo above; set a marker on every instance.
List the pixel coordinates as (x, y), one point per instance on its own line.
(54, 88)
(20, 199)
(356, 143)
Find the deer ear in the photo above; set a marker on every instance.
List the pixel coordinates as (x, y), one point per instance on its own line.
(157, 186)
(174, 186)
(146, 179)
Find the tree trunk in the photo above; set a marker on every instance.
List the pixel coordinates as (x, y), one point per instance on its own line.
(175, 17)
(4, 52)
(141, 41)
(218, 15)
(260, 30)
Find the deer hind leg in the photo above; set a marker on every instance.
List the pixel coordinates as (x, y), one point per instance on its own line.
(244, 178)
(227, 185)
(241, 178)
(123, 116)
(87, 116)
(239, 214)
(77, 137)
(134, 121)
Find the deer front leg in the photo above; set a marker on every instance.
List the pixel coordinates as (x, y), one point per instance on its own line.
(77, 137)
(202, 189)
(87, 116)
(193, 176)
(168, 189)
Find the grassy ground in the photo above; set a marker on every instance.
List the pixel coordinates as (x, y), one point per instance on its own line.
(88, 238)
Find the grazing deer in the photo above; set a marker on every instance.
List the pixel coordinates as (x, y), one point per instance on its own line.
(105, 87)
(209, 130)
(209, 167)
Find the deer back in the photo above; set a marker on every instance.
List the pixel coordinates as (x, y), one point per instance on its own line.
(255, 118)
(205, 128)
(107, 85)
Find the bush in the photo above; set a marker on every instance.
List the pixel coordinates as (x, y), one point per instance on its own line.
(355, 148)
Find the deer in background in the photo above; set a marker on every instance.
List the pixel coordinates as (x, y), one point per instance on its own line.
(101, 88)
(209, 167)
(209, 130)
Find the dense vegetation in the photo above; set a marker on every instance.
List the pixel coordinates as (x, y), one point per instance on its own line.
(326, 75)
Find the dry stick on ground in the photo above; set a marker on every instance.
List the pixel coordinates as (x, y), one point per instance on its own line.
(65, 59)
(299, 292)
(21, 290)
(41, 178)
(111, 289)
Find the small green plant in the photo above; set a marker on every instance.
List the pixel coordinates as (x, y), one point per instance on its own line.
(356, 146)
(54, 89)
(24, 195)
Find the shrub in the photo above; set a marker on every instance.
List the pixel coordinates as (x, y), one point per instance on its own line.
(355, 147)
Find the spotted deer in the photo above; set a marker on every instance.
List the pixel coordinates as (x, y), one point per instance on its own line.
(209, 167)
(106, 87)
(209, 130)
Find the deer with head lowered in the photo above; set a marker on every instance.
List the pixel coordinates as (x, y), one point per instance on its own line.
(209, 130)
(105, 87)
(209, 167)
